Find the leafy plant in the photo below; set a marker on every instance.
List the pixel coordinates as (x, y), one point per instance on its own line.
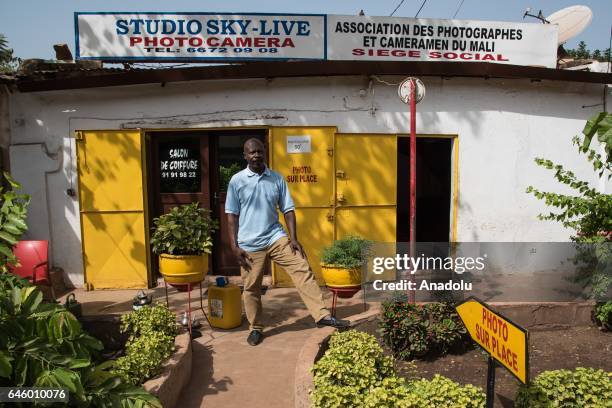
(603, 315)
(354, 372)
(152, 331)
(582, 387)
(226, 173)
(43, 345)
(353, 365)
(143, 358)
(185, 230)
(8, 62)
(146, 320)
(350, 252)
(444, 393)
(588, 212)
(13, 212)
(9, 281)
(412, 330)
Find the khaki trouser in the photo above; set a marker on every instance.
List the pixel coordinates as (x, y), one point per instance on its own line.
(299, 271)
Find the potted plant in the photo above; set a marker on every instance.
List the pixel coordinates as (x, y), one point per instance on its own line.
(342, 261)
(183, 240)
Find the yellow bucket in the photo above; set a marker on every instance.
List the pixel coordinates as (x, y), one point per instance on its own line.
(183, 269)
(338, 277)
(224, 306)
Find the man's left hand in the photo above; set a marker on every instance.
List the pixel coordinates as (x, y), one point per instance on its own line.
(297, 247)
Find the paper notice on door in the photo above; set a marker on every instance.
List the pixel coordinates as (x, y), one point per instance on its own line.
(298, 144)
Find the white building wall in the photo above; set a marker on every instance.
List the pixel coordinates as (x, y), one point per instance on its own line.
(502, 125)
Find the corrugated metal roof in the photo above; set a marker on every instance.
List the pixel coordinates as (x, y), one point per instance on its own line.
(72, 76)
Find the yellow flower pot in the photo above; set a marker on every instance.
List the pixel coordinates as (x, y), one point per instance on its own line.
(183, 269)
(338, 277)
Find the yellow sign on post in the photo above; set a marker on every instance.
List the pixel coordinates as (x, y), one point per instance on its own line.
(506, 342)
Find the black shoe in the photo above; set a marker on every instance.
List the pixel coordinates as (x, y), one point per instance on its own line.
(333, 322)
(255, 337)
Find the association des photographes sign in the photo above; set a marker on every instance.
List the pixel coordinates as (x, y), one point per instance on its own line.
(229, 37)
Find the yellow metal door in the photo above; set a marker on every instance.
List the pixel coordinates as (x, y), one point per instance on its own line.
(112, 208)
(304, 157)
(366, 189)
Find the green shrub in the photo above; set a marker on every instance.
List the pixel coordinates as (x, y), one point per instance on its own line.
(442, 392)
(355, 373)
(156, 318)
(350, 252)
(353, 364)
(144, 356)
(603, 315)
(583, 387)
(225, 175)
(13, 212)
(185, 230)
(412, 330)
(152, 331)
(44, 345)
(8, 281)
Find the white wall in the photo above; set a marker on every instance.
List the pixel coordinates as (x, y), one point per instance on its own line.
(502, 125)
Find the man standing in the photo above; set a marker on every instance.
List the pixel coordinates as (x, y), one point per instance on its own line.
(253, 197)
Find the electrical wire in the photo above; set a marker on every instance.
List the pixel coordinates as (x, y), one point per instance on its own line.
(398, 6)
(421, 8)
(382, 81)
(458, 8)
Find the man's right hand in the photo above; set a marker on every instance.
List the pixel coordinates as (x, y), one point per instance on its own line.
(243, 258)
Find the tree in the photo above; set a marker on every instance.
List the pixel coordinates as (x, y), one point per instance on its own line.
(589, 212)
(583, 52)
(8, 62)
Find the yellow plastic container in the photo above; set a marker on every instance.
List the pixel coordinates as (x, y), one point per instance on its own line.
(224, 306)
(338, 277)
(183, 269)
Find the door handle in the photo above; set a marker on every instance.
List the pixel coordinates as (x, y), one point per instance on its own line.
(215, 198)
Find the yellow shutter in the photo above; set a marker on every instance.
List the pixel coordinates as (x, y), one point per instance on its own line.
(112, 208)
(313, 199)
(366, 190)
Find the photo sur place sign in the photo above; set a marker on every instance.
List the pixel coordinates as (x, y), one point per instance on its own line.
(503, 340)
(193, 37)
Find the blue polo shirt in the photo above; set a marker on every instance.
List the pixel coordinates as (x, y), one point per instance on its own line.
(256, 199)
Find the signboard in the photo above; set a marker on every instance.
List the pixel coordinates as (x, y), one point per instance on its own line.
(229, 37)
(505, 342)
(298, 144)
(179, 167)
(198, 36)
(363, 38)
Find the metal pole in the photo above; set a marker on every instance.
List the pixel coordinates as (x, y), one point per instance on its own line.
(491, 383)
(412, 294)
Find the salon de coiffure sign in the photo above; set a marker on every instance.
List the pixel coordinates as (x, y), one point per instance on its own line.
(198, 37)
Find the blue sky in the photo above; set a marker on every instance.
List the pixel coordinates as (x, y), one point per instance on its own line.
(33, 26)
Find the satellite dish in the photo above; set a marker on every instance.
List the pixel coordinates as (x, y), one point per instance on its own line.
(571, 21)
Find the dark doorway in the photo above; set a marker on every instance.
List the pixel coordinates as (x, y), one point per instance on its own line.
(433, 195)
(226, 160)
(196, 166)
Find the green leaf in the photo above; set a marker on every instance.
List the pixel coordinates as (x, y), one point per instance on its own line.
(8, 238)
(6, 251)
(66, 378)
(591, 128)
(32, 299)
(17, 221)
(6, 369)
(79, 363)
